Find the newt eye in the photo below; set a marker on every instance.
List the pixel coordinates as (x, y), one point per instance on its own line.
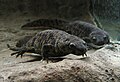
(71, 45)
(84, 44)
(105, 38)
(94, 38)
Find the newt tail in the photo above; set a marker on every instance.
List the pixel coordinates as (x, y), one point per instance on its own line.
(45, 23)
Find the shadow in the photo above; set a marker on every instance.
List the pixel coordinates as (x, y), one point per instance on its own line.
(52, 59)
(39, 58)
(35, 58)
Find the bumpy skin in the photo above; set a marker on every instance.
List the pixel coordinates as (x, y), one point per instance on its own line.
(52, 43)
(89, 32)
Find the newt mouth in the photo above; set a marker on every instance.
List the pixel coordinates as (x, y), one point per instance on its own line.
(95, 46)
(81, 53)
(84, 55)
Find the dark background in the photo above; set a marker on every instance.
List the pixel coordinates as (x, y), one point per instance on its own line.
(61, 8)
(107, 11)
(70, 9)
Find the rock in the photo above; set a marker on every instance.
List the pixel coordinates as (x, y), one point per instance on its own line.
(71, 9)
(103, 65)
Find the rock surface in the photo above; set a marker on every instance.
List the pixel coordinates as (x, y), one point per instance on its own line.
(69, 9)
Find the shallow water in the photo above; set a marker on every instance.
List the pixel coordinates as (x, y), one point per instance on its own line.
(112, 27)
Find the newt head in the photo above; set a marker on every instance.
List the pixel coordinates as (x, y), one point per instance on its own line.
(99, 37)
(78, 47)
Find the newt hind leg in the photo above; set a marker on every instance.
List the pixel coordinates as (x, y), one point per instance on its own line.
(19, 51)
